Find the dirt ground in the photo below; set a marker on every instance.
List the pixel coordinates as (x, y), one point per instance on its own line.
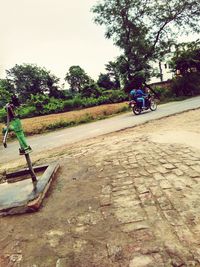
(126, 199)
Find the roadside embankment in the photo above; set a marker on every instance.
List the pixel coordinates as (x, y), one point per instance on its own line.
(41, 124)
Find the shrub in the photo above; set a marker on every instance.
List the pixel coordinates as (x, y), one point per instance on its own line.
(90, 102)
(68, 105)
(77, 102)
(27, 111)
(115, 96)
(188, 85)
(43, 105)
(53, 106)
(2, 115)
(91, 90)
(163, 92)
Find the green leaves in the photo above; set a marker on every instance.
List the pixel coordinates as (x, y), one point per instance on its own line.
(144, 29)
(5, 95)
(186, 63)
(77, 78)
(186, 58)
(30, 79)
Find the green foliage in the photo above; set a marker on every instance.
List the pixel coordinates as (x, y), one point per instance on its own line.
(186, 63)
(68, 94)
(113, 70)
(77, 78)
(145, 30)
(91, 90)
(115, 96)
(187, 85)
(27, 111)
(43, 104)
(4, 96)
(38, 100)
(2, 115)
(30, 79)
(186, 58)
(163, 93)
(105, 82)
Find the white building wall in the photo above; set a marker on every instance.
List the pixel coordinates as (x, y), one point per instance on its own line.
(166, 72)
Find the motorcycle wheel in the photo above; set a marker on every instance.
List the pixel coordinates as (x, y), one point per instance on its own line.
(136, 110)
(153, 106)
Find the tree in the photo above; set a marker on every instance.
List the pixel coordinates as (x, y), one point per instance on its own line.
(186, 64)
(186, 58)
(77, 78)
(145, 30)
(105, 82)
(91, 90)
(112, 68)
(5, 92)
(28, 79)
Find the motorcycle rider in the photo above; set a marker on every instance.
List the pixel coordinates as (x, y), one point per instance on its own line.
(140, 95)
(133, 94)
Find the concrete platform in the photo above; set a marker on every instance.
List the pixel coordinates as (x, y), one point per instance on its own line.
(18, 195)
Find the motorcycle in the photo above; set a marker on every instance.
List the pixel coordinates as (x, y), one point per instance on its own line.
(150, 103)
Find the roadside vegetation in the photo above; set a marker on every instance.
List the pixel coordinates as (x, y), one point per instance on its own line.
(41, 124)
(50, 108)
(142, 42)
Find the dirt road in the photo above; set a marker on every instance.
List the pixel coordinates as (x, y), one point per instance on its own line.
(125, 199)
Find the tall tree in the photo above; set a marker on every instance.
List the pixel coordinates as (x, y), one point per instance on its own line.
(112, 68)
(145, 29)
(77, 79)
(30, 79)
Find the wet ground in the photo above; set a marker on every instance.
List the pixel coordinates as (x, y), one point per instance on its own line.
(127, 199)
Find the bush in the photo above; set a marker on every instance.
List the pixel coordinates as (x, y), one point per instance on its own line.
(68, 105)
(43, 105)
(188, 85)
(90, 102)
(163, 92)
(91, 90)
(115, 96)
(27, 111)
(2, 115)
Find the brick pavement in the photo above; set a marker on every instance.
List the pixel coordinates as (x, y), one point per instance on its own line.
(130, 202)
(150, 193)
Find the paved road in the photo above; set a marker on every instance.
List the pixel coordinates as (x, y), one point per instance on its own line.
(82, 132)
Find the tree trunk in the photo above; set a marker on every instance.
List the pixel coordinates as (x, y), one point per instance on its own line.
(161, 72)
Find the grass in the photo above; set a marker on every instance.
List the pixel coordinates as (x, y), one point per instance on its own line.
(41, 124)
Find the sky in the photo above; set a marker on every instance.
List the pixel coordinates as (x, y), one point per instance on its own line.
(54, 34)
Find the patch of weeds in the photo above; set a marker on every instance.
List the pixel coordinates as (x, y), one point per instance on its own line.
(57, 125)
(86, 118)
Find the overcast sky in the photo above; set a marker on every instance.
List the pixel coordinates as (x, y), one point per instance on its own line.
(55, 34)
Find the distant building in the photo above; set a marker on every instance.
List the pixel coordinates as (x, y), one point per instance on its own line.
(163, 72)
